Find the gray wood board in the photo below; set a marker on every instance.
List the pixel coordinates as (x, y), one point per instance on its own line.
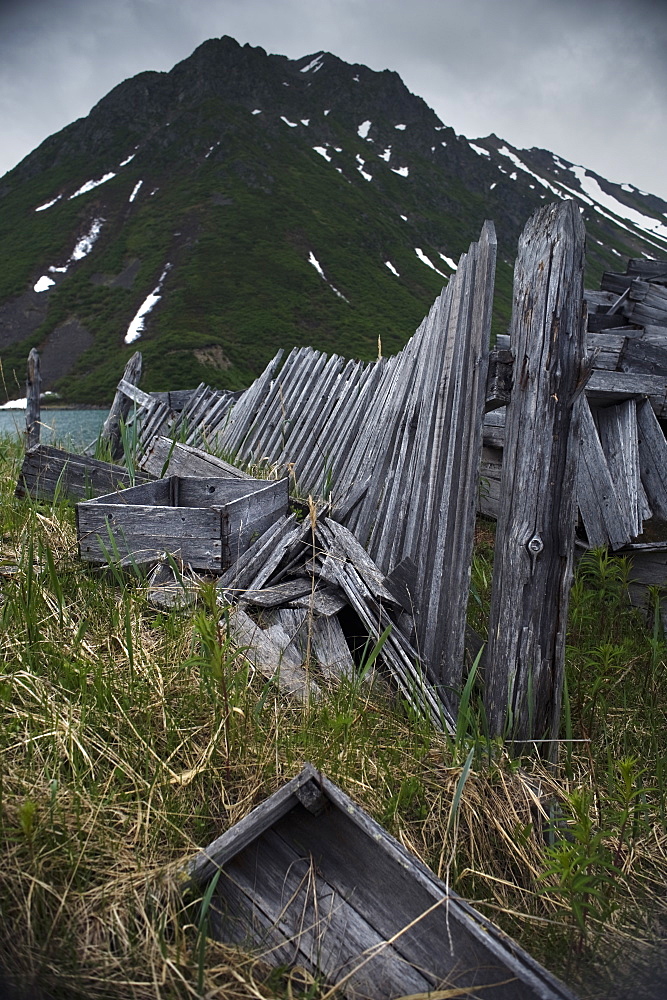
(430, 930)
(535, 537)
(49, 472)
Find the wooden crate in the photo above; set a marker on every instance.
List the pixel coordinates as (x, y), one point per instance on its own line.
(310, 880)
(49, 472)
(206, 522)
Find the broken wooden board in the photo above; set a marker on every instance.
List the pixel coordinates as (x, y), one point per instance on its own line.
(206, 522)
(164, 456)
(272, 652)
(49, 473)
(343, 899)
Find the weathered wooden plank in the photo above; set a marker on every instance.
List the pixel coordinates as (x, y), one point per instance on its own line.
(493, 428)
(165, 455)
(330, 845)
(136, 394)
(499, 379)
(330, 648)
(604, 321)
(278, 594)
(652, 458)
(326, 933)
(325, 601)
(346, 547)
(48, 472)
(606, 521)
(639, 356)
(535, 538)
(216, 491)
(617, 427)
(595, 298)
(612, 387)
(604, 349)
(616, 283)
(121, 407)
(169, 590)
(271, 653)
(643, 268)
(33, 388)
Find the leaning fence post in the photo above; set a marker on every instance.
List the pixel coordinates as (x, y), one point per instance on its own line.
(535, 536)
(120, 408)
(32, 390)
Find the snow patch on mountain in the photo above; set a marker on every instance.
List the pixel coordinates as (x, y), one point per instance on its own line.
(288, 122)
(135, 191)
(43, 283)
(448, 261)
(314, 64)
(644, 222)
(401, 171)
(386, 154)
(136, 327)
(42, 208)
(128, 159)
(364, 129)
(361, 163)
(391, 267)
(86, 243)
(479, 149)
(312, 259)
(424, 259)
(401, 128)
(322, 150)
(89, 185)
(504, 151)
(257, 111)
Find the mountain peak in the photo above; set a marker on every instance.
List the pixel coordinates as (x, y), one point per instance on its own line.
(243, 202)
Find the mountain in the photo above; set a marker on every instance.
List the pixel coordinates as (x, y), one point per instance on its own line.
(244, 202)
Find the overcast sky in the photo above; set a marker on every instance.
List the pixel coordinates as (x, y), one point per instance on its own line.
(586, 79)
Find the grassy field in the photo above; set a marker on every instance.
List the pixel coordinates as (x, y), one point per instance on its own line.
(131, 737)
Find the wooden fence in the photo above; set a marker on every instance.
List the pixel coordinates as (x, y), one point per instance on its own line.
(393, 450)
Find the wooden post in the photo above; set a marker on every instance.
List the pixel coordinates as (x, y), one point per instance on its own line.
(32, 391)
(120, 408)
(535, 537)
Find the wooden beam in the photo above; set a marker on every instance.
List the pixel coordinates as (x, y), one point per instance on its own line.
(32, 390)
(535, 537)
(120, 407)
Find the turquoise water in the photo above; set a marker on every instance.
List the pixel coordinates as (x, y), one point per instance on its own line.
(70, 429)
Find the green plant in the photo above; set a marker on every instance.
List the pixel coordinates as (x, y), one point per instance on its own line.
(580, 866)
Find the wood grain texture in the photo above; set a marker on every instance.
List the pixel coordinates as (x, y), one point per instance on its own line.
(535, 537)
(49, 472)
(33, 388)
(322, 885)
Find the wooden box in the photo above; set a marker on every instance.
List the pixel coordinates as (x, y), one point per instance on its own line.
(310, 880)
(49, 472)
(206, 522)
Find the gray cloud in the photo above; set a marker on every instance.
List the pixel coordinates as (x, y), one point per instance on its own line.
(583, 79)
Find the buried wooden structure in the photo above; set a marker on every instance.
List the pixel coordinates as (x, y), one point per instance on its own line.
(309, 879)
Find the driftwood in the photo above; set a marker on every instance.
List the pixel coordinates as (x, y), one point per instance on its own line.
(535, 537)
(341, 898)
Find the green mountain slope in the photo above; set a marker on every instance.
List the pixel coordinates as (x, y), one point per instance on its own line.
(262, 200)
